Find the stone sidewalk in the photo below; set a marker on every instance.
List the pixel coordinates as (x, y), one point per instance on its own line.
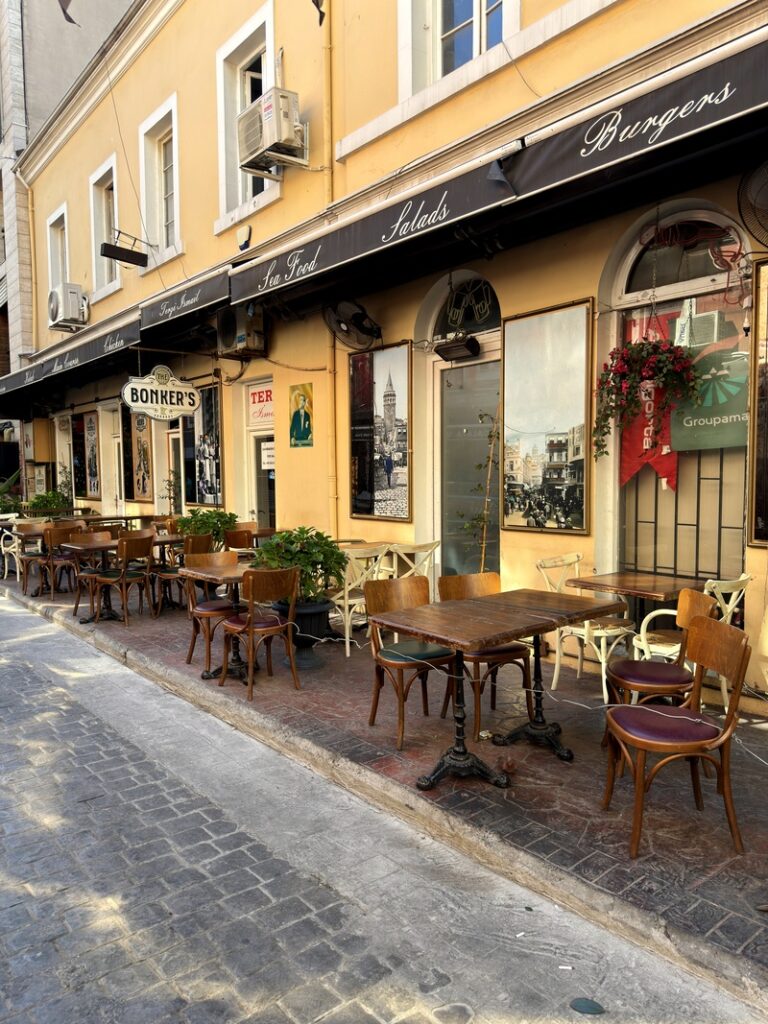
(159, 866)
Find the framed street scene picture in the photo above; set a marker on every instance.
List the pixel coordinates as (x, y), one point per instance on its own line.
(202, 451)
(380, 390)
(546, 408)
(758, 424)
(302, 414)
(92, 476)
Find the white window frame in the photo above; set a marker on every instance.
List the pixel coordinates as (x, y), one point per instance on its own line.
(257, 34)
(102, 178)
(152, 131)
(58, 248)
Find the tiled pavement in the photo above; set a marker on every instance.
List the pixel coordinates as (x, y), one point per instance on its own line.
(687, 895)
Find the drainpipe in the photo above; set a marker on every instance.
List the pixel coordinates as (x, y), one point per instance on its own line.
(333, 480)
(32, 257)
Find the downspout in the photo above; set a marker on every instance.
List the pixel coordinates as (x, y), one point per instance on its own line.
(32, 257)
(333, 480)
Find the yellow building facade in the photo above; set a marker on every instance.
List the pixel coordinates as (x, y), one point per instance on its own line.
(397, 333)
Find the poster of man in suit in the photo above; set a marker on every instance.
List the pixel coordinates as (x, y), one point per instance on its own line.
(300, 405)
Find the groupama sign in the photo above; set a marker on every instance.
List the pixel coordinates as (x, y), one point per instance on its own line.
(160, 395)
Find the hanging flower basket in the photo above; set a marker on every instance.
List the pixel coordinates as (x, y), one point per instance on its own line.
(636, 368)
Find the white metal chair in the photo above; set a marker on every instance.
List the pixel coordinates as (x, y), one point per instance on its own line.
(363, 564)
(728, 594)
(602, 634)
(411, 560)
(16, 545)
(8, 543)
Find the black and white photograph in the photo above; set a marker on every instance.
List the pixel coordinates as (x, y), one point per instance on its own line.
(142, 457)
(380, 437)
(546, 407)
(91, 431)
(202, 454)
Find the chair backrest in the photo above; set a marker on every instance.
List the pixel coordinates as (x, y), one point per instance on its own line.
(238, 538)
(29, 527)
(96, 536)
(53, 536)
(728, 593)
(413, 559)
(395, 594)
(138, 534)
(197, 544)
(473, 584)
(134, 549)
(690, 604)
(264, 586)
(210, 560)
(557, 569)
(170, 524)
(363, 563)
(247, 526)
(716, 647)
(70, 522)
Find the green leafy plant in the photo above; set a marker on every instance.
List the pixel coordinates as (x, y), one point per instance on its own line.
(320, 560)
(50, 501)
(208, 520)
(633, 370)
(10, 502)
(172, 492)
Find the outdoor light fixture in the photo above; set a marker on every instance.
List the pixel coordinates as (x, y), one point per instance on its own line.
(460, 346)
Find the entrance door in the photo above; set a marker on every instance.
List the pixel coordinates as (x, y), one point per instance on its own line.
(263, 493)
(469, 476)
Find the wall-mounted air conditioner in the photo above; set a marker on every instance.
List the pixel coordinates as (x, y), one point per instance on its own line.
(240, 330)
(269, 132)
(67, 306)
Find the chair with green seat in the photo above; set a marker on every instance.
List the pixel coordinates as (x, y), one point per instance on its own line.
(88, 568)
(134, 565)
(167, 575)
(405, 661)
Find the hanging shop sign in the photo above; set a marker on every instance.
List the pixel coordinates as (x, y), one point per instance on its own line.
(160, 395)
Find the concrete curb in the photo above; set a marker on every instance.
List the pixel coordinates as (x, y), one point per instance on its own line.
(744, 980)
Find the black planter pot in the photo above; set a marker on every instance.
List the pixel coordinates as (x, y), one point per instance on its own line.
(311, 625)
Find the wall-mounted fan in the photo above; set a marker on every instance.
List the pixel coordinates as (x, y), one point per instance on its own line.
(351, 325)
(752, 197)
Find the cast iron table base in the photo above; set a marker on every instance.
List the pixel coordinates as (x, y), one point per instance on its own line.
(539, 730)
(458, 760)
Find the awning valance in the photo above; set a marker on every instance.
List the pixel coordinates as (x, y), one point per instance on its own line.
(186, 299)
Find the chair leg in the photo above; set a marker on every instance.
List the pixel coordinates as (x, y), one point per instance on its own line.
(637, 818)
(580, 662)
(292, 659)
(268, 646)
(610, 778)
(378, 682)
(251, 640)
(225, 658)
(400, 692)
(725, 781)
(423, 676)
(696, 783)
(724, 692)
(193, 641)
(558, 659)
(603, 666)
(477, 691)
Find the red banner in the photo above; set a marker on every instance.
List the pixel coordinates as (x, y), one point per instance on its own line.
(637, 443)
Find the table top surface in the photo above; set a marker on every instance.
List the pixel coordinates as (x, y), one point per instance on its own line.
(89, 546)
(482, 622)
(637, 584)
(218, 574)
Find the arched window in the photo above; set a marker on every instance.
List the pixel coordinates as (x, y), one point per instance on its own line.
(471, 306)
(685, 282)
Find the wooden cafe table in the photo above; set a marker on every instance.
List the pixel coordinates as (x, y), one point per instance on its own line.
(225, 575)
(483, 622)
(644, 586)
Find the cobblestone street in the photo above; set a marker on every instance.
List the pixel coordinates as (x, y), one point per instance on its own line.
(159, 866)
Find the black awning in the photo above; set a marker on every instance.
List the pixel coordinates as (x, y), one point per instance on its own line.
(38, 384)
(643, 127)
(477, 190)
(186, 300)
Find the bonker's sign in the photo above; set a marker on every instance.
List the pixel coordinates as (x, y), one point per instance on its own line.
(160, 395)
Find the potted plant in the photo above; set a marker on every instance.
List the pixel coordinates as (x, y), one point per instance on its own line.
(321, 562)
(637, 368)
(208, 520)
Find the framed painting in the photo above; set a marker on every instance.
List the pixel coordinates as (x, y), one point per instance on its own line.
(201, 435)
(380, 435)
(758, 420)
(546, 408)
(141, 448)
(92, 475)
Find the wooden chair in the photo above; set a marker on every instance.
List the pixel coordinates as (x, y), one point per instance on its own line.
(168, 574)
(363, 563)
(682, 733)
(134, 565)
(88, 568)
(261, 623)
(394, 660)
(208, 613)
(241, 540)
(406, 560)
(479, 584)
(52, 562)
(643, 679)
(15, 545)
(602, 634)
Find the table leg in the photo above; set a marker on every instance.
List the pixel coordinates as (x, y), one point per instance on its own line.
(107, 611)
(539, 730)
(458, 760)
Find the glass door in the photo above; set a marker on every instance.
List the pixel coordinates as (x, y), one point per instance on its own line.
(263, 495)
(469, 480)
